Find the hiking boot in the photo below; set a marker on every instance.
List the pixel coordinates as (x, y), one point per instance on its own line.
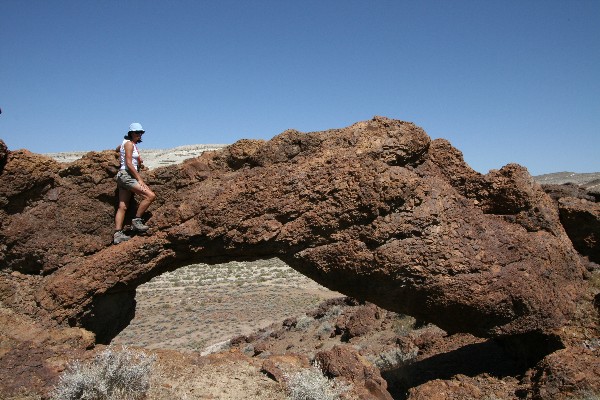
(119, 237)
(138, 225)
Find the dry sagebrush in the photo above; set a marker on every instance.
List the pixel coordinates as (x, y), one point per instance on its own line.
(311, 384)
(113, 374)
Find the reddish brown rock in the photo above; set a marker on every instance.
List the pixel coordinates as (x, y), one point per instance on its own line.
(344, 361)
(3, 154)
(377, 211)
(32, 356)
(580, 216)
(466, 388)
(581, 219)
(570, 373)
(54, 214)
(278, 367)
(360, 322)
(557, 192)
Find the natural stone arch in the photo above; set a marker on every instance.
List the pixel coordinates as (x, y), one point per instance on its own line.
(376, 211)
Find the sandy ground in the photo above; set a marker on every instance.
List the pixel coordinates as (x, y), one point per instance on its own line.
(199, 306)
(176, 377)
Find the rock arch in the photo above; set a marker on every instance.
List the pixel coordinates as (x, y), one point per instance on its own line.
(377, 211)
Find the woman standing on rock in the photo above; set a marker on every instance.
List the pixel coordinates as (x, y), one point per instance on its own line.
(130, 181)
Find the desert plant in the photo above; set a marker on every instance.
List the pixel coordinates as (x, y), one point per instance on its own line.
(333, 312)
(304, 322)
(112, 374)
(325, 329)
(403, 324)
(392, 359)
(586, 395)
(311, 384)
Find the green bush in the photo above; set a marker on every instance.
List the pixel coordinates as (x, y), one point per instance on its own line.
(111, 375)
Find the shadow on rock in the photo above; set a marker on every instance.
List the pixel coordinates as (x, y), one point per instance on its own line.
(497, 358)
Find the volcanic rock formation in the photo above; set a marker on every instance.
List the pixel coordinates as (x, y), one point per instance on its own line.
(579, 213)
(377, 211)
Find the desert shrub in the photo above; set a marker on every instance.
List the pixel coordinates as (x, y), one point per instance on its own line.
(392, 359)
(592, 344)
(403, 324)
(311, 384)
(325, 329)
(113, 374)
(586, 395)
(333, 312)
(304, 323)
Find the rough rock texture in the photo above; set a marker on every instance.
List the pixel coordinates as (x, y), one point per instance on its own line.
(360, 323)
(423, 362)
(3, 154)
(579, 212)
(377, 211)
(464, 388)
(53, 214)
(346, 362)
(568, 373)
(32, 355)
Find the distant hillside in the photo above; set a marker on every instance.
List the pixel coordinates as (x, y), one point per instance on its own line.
(153, 158)
(559, 178)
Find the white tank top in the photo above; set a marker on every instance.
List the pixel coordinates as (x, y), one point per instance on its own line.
(134, 156)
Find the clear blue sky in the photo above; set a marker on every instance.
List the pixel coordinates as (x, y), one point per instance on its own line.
(503, 81)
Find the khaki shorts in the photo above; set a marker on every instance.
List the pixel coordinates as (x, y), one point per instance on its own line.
(125, 180)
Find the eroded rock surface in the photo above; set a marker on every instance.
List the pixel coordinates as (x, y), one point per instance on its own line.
(579, 212)
(377, 211)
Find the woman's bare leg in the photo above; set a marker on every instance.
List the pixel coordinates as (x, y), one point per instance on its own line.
(147, 196)
(124, 197)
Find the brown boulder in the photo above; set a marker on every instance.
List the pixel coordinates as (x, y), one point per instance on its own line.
(580, 216)
(360, 322)
(465, 388)
(569, 373)
(32, 356)
(279, 367)
(557, 192)
(581, 219)
(344, 361)
(54, 214)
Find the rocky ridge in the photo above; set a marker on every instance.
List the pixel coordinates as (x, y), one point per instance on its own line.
(377, 211)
